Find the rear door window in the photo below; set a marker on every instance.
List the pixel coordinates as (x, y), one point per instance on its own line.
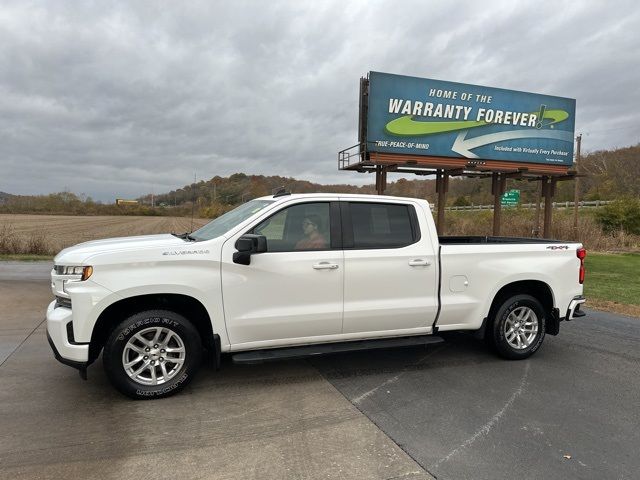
(381, 225)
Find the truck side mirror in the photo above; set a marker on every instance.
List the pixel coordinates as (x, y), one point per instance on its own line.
(247, 245)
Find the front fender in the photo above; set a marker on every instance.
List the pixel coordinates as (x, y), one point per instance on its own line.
(201, 281)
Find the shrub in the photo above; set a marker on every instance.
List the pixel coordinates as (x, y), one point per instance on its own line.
(12, 243)
(9, 241)
(623, 214)
(461, 201)
(37, 244)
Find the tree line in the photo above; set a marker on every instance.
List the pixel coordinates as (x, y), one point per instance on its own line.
(608, 175)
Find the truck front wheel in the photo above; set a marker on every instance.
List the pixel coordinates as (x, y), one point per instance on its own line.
(518, 328)
(152, 354)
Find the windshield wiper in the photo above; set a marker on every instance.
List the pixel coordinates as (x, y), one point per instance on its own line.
(185, 236)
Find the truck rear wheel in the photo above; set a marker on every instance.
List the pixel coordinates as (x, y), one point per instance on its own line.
(518, 328)
(152, 354)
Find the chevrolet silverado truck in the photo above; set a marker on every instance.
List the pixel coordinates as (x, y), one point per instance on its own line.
(293, 275)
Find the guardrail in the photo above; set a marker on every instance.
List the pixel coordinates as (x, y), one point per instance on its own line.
(566, 205)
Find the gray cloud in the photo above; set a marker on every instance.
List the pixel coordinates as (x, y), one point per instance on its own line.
(114, 99)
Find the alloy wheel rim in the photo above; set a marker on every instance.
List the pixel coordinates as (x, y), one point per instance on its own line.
(153, 356)
(521, 328)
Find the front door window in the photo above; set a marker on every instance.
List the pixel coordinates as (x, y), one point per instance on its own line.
(300, 227)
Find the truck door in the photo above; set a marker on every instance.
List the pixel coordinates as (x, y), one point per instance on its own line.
(390, 269)
(293, 292)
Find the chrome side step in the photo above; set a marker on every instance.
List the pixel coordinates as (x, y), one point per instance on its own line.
(274, 354)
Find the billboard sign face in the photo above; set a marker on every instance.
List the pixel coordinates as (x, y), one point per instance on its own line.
(419, 116)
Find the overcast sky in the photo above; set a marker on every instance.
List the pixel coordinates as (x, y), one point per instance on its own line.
(114, 99)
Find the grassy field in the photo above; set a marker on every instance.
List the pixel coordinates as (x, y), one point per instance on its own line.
(24, 257)
(613, 282)
(48, 234)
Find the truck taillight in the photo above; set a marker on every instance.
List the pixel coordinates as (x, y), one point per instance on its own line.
(581, 253)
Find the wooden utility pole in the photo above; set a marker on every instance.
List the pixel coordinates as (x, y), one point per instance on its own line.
(576, 193)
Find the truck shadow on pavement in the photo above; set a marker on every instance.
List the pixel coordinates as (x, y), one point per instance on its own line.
(459, 349)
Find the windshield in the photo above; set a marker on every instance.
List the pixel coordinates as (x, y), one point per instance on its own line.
(226, 222)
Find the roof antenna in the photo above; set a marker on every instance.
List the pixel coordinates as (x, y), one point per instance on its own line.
(193, 201)
(279, 192)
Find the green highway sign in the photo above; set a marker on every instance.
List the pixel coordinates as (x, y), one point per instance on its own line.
(510, 198)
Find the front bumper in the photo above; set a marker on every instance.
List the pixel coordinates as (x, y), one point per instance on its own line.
(72, 354)
(82, 366)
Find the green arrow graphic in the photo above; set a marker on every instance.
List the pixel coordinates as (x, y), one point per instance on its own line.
(407, 126)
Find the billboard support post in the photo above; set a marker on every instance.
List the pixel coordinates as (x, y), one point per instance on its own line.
(498, 187)
(442, 186)
(548, 191)
(536, 227)
(381, 179)
(384, 179)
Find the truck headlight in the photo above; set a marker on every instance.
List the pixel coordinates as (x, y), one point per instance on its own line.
(83, 272)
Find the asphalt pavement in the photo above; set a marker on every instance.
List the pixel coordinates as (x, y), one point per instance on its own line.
(454, 411)
(570, 411)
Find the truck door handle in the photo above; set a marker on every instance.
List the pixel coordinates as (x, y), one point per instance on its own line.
(419, 262)
(325, 266)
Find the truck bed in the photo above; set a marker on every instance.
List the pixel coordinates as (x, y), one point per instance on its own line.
(475, 268)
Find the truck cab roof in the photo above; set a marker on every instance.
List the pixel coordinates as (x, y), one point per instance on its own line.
(339, 196)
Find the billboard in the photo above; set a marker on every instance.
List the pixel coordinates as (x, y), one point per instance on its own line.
(420, 116)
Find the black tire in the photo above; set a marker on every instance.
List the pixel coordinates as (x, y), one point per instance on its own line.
(184, 338)
(496, 334)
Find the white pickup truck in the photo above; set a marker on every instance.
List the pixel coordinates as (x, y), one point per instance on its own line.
(293, 275)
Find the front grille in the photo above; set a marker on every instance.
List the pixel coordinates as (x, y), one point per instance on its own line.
(59, 269)
(63, 302)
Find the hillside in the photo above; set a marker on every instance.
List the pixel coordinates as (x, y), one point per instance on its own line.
(5, 197)
(608, 174)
